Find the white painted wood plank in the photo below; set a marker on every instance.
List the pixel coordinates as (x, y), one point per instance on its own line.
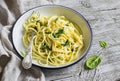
(104, 18)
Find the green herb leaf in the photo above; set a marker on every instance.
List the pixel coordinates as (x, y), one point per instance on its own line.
(103, 44)
(54, 35)
(67, 24)
(60, 31)
(56, 19)
(22, 53)
(93, 61)
(45, 46)
(66, 43)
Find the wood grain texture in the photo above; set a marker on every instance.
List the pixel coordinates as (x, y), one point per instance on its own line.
(104, 18)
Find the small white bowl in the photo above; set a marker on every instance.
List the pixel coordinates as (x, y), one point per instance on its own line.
(69, 13)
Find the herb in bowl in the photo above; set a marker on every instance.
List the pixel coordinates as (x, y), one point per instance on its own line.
(60, 31)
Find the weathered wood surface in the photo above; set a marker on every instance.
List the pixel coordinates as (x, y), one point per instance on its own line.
(104, 18)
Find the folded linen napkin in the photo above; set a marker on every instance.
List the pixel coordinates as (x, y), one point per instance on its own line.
(10, 64)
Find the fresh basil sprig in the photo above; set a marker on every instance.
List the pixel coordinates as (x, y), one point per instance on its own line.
(94, 60)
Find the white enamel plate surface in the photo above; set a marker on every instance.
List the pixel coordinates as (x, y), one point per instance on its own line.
(47, 10)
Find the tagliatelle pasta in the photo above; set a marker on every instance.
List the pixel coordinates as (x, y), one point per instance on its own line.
(56, 40)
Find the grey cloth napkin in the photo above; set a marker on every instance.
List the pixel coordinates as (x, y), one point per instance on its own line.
(10, 64)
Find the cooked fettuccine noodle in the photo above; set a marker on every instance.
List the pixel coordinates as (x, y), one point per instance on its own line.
(56, 40)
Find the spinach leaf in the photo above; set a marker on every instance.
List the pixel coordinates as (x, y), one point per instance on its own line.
(103, 44)
(93, 61)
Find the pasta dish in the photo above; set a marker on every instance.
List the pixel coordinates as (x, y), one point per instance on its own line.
(56, 39)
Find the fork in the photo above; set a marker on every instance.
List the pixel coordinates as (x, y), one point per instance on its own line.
(27, 60)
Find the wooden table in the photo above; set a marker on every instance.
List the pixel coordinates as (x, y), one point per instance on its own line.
(104, 18)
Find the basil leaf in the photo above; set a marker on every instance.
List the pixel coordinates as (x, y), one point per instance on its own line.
(45, 47)
(93, 61)
(54, 35)
(103, 44)
(60, 31)
(56, 19)
(66, 43)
